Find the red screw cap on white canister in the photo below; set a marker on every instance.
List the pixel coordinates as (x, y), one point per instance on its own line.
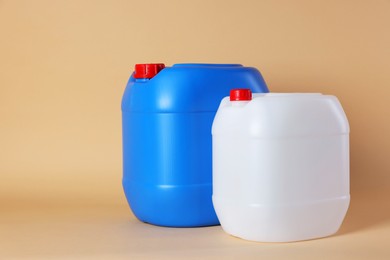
(240, 94)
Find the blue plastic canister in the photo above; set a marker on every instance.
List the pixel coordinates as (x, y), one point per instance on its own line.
(167, 114)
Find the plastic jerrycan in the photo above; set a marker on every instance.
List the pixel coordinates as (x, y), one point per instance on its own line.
(280, 165)
(167, 114)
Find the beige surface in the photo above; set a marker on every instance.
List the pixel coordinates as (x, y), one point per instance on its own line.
(63, 68)
(84, 230)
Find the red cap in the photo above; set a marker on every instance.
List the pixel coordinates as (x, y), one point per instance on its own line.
(240, 94)
(147, 71)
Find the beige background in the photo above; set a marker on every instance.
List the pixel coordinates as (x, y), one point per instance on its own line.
(63, 69)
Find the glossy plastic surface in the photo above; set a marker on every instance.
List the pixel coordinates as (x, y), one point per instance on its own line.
(167, 140)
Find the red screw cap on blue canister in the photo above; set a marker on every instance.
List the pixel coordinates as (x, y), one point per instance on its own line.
(240, 94)
(147, 71)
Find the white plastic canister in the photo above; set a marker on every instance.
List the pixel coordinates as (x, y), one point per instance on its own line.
(280, 165)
